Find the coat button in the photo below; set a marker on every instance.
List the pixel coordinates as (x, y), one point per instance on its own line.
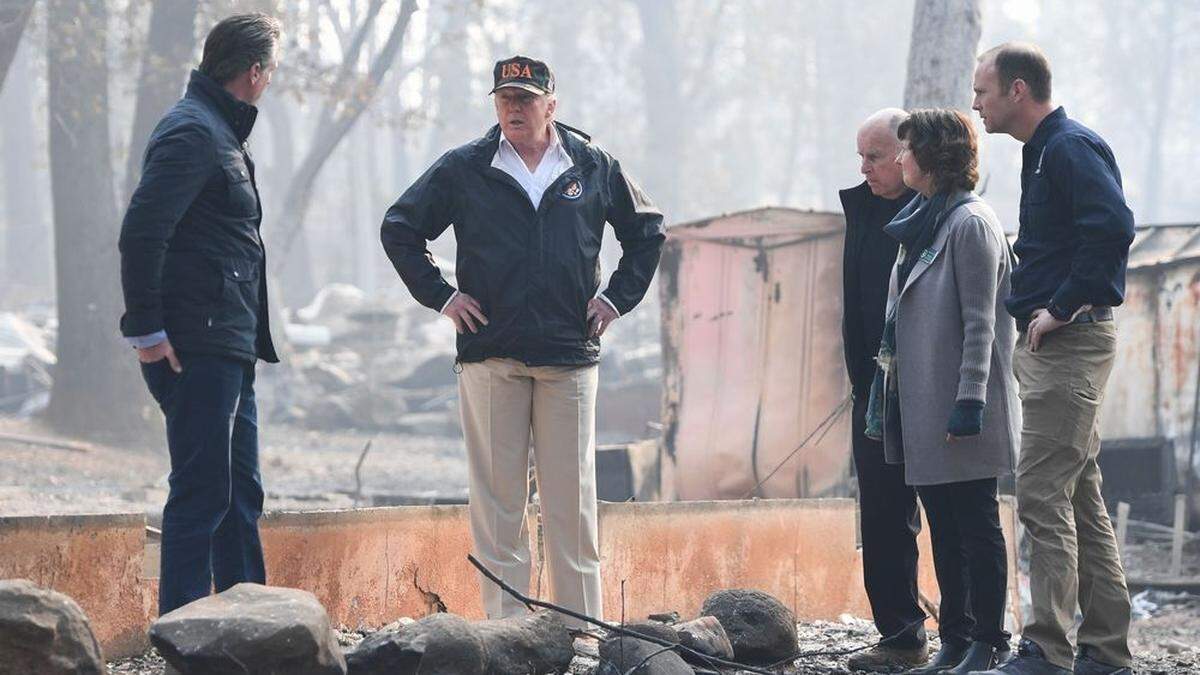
(236, 273)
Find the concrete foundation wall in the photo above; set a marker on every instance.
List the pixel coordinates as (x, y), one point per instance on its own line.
(97, 560)
(371, 566)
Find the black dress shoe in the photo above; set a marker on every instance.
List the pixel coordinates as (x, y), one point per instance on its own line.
(1030, 660)
(979, 656)
(946, 658)
(1086, 664)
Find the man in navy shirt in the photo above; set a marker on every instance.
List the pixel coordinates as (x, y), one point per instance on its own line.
(1073, 246)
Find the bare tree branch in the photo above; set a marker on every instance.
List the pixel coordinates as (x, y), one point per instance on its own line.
(337, 118)
(336, 20)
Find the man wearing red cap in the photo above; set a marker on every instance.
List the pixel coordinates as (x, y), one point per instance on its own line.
(528, 203)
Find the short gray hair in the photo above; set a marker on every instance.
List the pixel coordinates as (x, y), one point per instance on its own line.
(238, 42)
(892, 117)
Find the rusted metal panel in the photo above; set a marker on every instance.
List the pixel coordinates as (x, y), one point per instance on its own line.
(1130, 407)
(1156, 355)
(753, 355)
(1152, 390)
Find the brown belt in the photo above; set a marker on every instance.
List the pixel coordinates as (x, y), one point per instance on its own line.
(1093, 315)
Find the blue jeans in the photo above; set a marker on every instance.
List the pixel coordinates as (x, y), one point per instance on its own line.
(210, 522)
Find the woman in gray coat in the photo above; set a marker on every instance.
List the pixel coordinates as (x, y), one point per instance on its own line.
(945, 399)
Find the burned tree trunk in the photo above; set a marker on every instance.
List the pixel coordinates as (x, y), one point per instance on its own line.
(1163, 82)
(168, 52)
(941, 55)
(96, 390)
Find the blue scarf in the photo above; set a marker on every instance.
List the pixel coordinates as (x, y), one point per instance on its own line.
(916, 227)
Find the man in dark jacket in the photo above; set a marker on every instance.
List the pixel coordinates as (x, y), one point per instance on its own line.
(193, 273)
(888, 506)
(528, 203)
(1073, 245)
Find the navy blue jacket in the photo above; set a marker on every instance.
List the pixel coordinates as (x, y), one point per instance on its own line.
(1076, 229)
(192, 261)
(532, 270)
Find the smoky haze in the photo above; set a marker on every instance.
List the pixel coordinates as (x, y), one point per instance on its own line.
(714, 106)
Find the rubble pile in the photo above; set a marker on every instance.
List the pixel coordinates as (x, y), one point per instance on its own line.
(26, 363)
(270, 630)
(372, 363)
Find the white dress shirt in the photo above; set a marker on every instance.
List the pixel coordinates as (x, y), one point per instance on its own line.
(554, 163)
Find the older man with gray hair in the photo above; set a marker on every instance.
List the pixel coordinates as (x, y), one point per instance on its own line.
(890, 520)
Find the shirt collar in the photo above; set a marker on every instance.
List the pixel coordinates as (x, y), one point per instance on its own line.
(555, 146)
(1045, 127)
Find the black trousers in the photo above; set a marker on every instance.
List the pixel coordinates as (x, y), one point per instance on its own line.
(890, 524)
(210, 522)
(969, 559)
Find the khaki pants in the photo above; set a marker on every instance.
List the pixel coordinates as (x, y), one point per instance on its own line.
(502, 402)
(1073, 551)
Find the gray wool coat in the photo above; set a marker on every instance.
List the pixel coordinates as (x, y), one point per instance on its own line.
(955, 340)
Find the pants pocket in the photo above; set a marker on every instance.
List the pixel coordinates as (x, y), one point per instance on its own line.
(159, 378)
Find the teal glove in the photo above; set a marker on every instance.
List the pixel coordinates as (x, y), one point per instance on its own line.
(966, 419)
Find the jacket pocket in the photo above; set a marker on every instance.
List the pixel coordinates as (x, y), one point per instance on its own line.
(241, 196)
(238, 309)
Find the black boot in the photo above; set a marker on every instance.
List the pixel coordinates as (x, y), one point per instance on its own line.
(946, 658)
(979, 656)
(1086, 664)
(1030, 660)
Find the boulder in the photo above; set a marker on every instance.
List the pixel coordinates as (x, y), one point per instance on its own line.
(620, 653)
(761, 629)
(45, 632)
(250, 628)
(531, 644)
(705, 635)
(439, 644)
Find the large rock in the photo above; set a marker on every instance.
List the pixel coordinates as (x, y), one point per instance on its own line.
(439, 644)
(250, 628)
(530, 644)
(621, 653)
(760, 628)
(705, 635)
(44, 632)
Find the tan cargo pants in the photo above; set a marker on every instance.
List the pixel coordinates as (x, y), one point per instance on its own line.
(1074, 556)
(503, 401)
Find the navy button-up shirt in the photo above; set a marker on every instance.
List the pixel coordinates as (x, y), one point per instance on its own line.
(1075, 226)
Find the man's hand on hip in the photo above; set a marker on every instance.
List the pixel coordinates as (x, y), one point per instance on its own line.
(1042, 322)
(466, 313)
(158, 352)
(600, 316)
